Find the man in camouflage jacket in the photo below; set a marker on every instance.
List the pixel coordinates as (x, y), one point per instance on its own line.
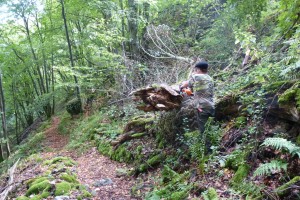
(202, 103)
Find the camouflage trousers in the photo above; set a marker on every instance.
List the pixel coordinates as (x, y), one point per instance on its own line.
(194, 119)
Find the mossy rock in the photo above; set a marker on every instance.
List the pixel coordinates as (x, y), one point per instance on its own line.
(210, 194)
(291, 97)
(240, 174)
(38, 188)
(282, 190)
(22, 198)
(69, 178)
(65, 160)
(62, 188)
(34, 181)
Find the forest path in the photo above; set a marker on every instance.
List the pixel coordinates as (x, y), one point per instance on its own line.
(53, 139)
(97, 172)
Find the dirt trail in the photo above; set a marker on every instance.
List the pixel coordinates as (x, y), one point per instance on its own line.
(53, 139)
(95, 171)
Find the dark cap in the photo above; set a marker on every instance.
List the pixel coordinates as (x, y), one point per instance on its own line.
(202, 65)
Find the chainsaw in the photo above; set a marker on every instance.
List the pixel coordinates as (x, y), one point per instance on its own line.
(186, 92)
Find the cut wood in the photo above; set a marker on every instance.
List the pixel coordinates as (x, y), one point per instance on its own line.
(157, 98)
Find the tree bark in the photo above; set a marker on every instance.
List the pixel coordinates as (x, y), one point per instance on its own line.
(70, 50)
(3, 116)
(133, 27)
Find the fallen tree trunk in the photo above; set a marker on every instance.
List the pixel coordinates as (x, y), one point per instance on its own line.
(138, 127)
(157, 98)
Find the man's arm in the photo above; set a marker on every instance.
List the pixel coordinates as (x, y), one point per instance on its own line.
(184, 84)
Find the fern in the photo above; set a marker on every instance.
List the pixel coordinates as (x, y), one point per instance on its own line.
(281, 143)
(267, 168)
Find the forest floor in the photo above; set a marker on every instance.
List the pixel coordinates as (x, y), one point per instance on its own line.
(95, 171)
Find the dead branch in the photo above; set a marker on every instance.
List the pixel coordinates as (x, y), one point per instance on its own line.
(11, 172)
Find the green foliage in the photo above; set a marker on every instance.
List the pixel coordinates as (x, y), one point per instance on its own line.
(65, 125)
(250, 189)
(280, 144)
(237, 158)
(174, 186)
(267, 168)
(210, 194)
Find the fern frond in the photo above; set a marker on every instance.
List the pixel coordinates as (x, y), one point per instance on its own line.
(267, 168)
(281, 143)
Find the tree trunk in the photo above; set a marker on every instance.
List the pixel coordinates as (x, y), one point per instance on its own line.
(123, 20)
(3, 116)
(133, 27)
(40, 79)
(70, 50)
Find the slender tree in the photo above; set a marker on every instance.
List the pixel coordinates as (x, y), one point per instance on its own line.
(70, 50)
(3, 117)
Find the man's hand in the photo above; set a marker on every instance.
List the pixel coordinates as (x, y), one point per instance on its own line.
(184, 84)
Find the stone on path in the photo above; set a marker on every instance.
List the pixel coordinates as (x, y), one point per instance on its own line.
(103, 182)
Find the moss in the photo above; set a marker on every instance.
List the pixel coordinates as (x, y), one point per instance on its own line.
(86, 194)
(152, 162)
(282, 190)
(69, 178)
(39, 187)
(105, 148)
(210, 194)
(155, 160)
(298, 140)
(240, 174)
(137, 135)
(121, 154)
(36, 197)
(62, 188)
(36, 181)
(67, 161)
(141, 120)
(45, 194)
(22, 198)
(291, 96)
